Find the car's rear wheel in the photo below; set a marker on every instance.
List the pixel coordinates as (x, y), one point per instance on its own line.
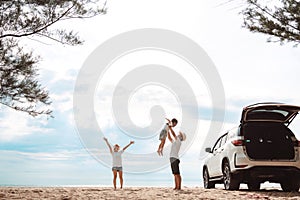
(230, 183)
(207, 183)
(253, 185)
(290, 186)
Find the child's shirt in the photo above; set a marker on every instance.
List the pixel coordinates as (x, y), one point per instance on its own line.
(117, 158)
(166, 128)
(164, 132)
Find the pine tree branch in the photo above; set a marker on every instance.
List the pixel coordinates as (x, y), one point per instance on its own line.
(41, 29)
(51, 38)
(33, 113)
(271, 15)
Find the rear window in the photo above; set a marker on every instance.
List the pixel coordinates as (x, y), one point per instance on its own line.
(265, 114)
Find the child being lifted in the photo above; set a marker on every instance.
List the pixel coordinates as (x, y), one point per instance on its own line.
(163, 134)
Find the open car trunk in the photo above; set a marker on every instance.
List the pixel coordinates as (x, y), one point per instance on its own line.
(268, 141)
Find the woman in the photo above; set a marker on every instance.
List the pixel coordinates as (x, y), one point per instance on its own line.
(117, 161)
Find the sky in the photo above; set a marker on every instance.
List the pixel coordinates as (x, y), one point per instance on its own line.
(42, 152)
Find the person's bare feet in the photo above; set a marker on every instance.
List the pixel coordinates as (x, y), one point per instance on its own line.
(160, 153)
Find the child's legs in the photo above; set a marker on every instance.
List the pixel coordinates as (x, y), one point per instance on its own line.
(162, 138)
(115, 178)
(121, 178)
(162, 143)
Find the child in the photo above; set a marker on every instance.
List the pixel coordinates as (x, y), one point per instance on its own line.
(117, 161)
(163, 134)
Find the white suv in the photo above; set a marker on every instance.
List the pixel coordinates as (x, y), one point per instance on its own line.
(262, 148)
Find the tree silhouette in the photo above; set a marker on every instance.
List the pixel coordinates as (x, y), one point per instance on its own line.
(34, 19)
(280, 19)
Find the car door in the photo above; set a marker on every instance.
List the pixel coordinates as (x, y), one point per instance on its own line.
(221, 151)
(215, 160)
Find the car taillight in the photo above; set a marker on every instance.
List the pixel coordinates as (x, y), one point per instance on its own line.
(238, 142)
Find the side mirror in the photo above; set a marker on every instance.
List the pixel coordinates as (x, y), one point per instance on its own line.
(208, 150)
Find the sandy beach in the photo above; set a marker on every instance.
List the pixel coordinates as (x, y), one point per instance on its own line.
(69, 193)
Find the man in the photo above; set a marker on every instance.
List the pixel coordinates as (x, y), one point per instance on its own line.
(174, 158)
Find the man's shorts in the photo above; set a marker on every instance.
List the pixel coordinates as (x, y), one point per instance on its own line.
(119, 169)
(175, 165)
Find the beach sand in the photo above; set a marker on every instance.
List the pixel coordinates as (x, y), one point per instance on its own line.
(70, 193)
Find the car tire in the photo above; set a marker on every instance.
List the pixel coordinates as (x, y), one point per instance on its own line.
(207, 183)
(253, 185)
(290, 186)
(230, 183)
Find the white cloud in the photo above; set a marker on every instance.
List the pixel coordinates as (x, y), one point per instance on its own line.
(62, 102)
(55, 156)
(16, 124)
(144, 97)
